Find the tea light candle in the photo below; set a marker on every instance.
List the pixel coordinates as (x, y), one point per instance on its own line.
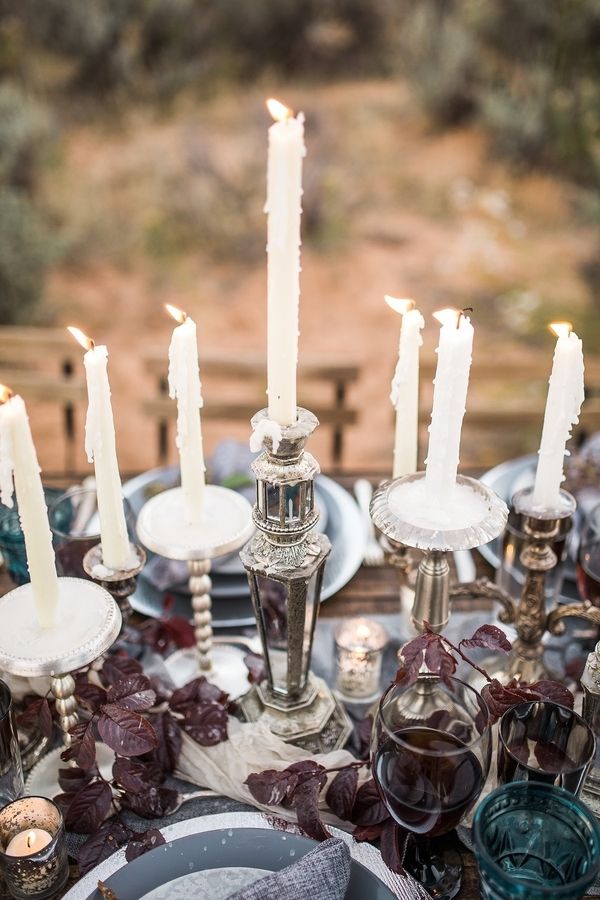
(33, 849)
(359, 646)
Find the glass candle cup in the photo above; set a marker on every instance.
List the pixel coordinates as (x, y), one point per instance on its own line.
(359, 646)
(76, 528)
(11, 769)
(33, 850)
(535, 841)
(542, 741)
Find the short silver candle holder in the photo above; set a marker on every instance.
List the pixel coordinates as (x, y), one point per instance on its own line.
(120, 583)
(475, 516)
(285, 561)
(87, 623)
(225, 527)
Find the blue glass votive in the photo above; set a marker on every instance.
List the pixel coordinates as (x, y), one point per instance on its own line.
(535, 841)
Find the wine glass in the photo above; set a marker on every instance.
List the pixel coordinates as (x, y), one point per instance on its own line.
(588, 558)
(430, 757)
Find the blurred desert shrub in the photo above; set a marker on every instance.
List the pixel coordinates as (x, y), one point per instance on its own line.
(528, 71)
(26, 246)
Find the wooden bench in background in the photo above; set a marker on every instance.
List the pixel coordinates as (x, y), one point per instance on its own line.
(506, 402)
(240, 383)
(41, 365)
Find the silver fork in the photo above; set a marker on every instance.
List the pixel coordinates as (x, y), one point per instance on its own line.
(363, 491)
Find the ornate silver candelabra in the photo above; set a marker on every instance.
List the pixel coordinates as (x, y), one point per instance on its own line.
(285, 562)
(476, 516)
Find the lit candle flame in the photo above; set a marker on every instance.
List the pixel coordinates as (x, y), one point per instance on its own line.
(31, 838)
(561, 329)
(5, 393)
(279, 111)
(448, 316)
(363, 632)
(178, 314)
(85, 341)
(399, 306)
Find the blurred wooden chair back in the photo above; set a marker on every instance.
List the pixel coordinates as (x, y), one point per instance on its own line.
(41, 364)
(506, 402)
(237, 391)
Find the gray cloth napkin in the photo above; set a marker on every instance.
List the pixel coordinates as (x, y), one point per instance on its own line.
(323, 874)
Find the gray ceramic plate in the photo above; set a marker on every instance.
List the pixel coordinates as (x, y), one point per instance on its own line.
(237, 841)
(232, 607)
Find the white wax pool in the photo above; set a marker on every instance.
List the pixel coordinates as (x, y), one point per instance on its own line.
(411, 502)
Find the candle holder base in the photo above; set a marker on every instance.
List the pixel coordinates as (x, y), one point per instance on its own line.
(228, 669)
(317, 721)
(42, 781)
(88, 622)
(225, 527)
(120, 583)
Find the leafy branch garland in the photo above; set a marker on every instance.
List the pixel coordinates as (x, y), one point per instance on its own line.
(142, 722)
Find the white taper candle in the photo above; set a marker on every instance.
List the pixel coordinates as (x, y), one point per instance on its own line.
(405, 387)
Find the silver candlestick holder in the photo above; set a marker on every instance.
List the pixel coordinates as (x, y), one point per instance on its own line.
(285, 561)
(225, 527)
(120, 583)
(87, 623)
(404, 514)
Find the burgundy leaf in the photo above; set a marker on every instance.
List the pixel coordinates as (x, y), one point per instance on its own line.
(206, 724)
(151, 803)
(255, 664)
(142, 842)
(554, 691)
(37, 713)
(197, 691)
(393, 846)
(271, 787)
(168, 734)
(552, 758)
(490, 637)
(180, 631)
(89, 694)
(109, 837)
(500, 697)
(439, 661)
(89, 808)
(131, 692)
(63, 801)
(405, 677)
(368, 832)
(126, 732)
(368, 807)
(364, 729)
(412, 653)
(118, 665)
(133, 775)
(83, 745)
(306, 803)
(73, 779)
(342, 792)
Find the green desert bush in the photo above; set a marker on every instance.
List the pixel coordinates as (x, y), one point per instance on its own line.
(25, 252)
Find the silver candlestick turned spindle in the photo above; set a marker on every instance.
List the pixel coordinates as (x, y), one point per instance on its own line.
(226, 525)
(87, 623)
(285, 562)
(120, 583)
(403, 512)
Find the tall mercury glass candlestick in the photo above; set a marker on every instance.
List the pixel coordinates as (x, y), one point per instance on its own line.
(449, 403)
(284, 208)
(185, 387)
(405, 386)
(19, 467)
(563, 403)
(101, 449)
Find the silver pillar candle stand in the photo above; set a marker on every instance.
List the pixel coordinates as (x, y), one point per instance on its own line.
(225, 527)
(590, 683)
(529, 615)
(120, 583)
(475, 516)
(87, 623)
(285, 562)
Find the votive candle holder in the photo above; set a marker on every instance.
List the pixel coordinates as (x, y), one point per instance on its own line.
(359, 646)
(42, 873)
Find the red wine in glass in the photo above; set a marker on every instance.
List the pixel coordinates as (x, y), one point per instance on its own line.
(425, 780)
(588, 573)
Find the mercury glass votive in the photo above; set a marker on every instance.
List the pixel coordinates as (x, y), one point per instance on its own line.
(33, 850)
(359, 646)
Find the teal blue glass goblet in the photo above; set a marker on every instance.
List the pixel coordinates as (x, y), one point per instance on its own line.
(534, 841)
(12, 542)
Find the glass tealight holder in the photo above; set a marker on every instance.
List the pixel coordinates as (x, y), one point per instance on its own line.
(33, 850)
(359, 646)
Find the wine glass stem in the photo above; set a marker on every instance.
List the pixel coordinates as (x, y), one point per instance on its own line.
(438, 870)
